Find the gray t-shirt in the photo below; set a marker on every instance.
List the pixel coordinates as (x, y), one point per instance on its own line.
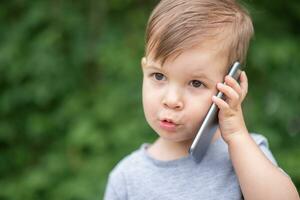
(139, 176)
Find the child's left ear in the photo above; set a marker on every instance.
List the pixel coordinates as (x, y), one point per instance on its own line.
(143, 62)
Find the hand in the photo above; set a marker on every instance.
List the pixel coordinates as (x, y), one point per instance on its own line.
(231, 120)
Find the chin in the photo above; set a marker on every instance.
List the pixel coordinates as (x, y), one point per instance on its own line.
(176, 138)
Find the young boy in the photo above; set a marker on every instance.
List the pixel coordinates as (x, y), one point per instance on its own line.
(190, 45)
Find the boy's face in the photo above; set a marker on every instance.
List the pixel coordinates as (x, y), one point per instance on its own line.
(177, 96)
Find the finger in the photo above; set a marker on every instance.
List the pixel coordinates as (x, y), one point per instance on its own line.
(222, 105)
(230, 81)
(244, 84)
(232, 97)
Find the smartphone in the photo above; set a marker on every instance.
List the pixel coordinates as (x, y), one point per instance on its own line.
(210, 123)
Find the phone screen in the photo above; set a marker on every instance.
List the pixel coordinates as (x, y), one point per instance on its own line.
(210, 125)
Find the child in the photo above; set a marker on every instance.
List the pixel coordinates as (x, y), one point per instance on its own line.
(190, 45)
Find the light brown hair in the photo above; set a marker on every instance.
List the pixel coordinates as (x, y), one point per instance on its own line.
(176, 25)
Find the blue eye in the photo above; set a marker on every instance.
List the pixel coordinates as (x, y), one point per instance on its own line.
(159, 76)
(196, 83)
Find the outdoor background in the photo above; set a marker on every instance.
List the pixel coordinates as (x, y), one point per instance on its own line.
(70, 86)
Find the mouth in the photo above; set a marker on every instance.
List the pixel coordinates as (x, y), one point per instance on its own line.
(168, 121)
(168, 124)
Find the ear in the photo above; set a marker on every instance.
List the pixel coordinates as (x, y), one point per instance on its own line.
(143, 62)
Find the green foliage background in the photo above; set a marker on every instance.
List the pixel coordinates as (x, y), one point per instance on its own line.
(70, 89)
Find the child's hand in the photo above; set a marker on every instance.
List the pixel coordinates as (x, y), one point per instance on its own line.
(231, 120)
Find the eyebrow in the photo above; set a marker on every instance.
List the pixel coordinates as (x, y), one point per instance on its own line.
(198, 75)
(203, 76)
(154, 67)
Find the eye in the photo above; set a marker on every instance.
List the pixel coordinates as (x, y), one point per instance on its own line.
(158, 76)
(196, 83)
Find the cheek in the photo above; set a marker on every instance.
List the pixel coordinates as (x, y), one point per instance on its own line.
(150, 101)
(198, 108)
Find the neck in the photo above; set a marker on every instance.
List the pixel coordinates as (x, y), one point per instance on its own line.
(163, 149)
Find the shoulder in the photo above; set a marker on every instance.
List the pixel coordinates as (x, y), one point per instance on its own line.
(263, 144)
(260, 140)
(129, 163)
(116, 187)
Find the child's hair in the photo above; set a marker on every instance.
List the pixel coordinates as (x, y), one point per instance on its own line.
(177, 25)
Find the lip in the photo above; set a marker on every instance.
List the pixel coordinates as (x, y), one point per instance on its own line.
(168, 125)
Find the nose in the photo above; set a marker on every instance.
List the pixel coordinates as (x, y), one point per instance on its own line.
(173, 99)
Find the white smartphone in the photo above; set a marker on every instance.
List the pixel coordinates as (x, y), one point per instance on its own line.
(210, 123)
